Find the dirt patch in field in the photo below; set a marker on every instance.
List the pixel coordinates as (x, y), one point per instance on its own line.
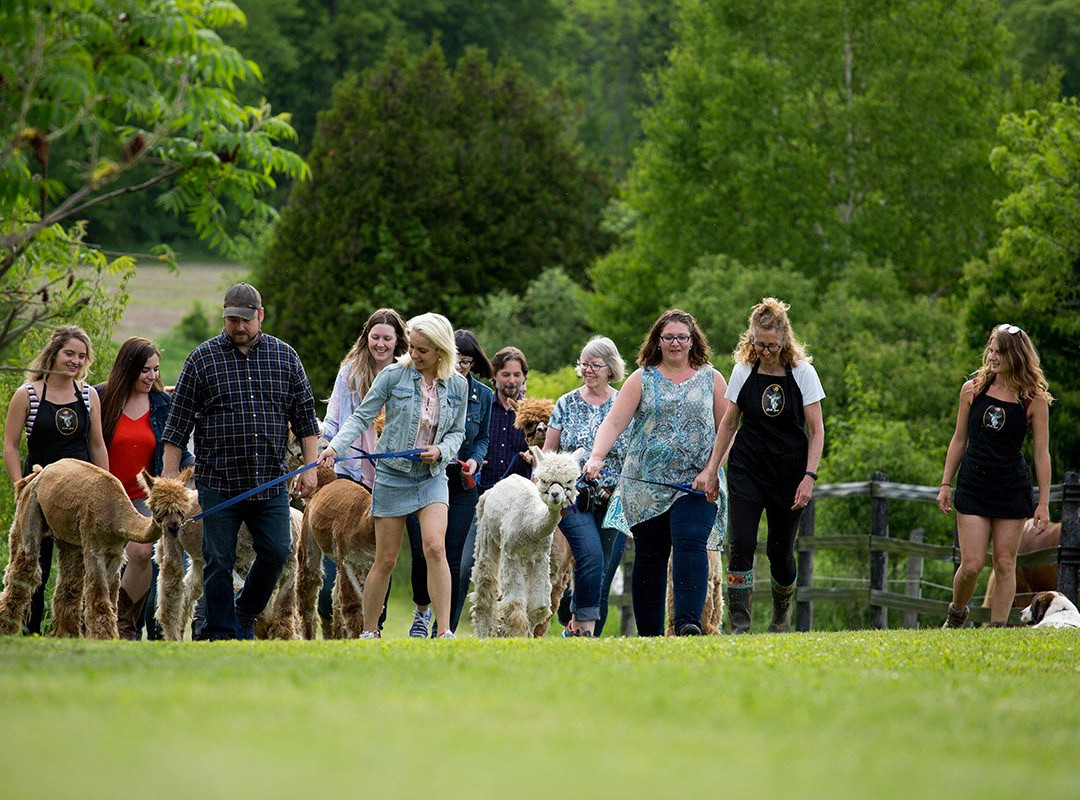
(160, 298)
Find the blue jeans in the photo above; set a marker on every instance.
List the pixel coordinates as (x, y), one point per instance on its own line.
(681, 532)
(268, 521)
(614, 544)
(591, 553)
(459, 518)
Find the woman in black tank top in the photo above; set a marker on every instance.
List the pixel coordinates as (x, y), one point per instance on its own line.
(993, 489)
(61, 416)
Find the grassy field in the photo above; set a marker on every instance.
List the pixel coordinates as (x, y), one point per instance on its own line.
(160, 298)
(969, 714)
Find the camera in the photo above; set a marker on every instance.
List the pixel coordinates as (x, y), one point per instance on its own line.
(592, 498)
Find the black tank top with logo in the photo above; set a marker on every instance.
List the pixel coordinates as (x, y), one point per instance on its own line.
(994, 480)
(768, 459)
(59, 430)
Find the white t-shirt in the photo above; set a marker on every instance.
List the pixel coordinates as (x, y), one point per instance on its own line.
(806, 378)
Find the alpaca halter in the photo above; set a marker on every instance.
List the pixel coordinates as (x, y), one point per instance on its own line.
(412, 455)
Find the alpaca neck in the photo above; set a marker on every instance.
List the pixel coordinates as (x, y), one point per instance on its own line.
(136, 528)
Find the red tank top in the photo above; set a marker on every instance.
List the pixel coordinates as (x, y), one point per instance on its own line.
(131, 449)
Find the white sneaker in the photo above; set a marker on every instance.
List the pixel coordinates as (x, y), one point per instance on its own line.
(370, 635)
(447, 635)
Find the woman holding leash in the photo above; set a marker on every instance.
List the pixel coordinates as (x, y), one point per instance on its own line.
(134, 407)
(1007, 396)
(61, 415)
(574, 423)
(775, 407)
(464, 494)
(674, 400)
(426, 404)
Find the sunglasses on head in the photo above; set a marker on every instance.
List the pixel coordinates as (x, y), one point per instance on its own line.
(1007, 328)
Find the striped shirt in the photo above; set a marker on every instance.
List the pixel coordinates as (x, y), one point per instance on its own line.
(241, 407)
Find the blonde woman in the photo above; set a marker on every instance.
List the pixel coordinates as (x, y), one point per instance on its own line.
(426, 403)
(775, 407)
(61, 415)
(993, 490)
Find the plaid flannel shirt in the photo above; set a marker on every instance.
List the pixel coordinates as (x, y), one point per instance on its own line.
(504, 442)
(240, 407)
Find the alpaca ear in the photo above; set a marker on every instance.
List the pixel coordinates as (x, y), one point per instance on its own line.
(580, 455)
(185, 476)
(145, 479)
(512, 402)
(537, 454)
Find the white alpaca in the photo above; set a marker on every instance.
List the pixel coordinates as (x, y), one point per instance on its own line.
(515, 520)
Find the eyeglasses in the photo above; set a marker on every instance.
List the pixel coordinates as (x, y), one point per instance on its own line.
(682, 338)
(1007, 328)
(590, 367)
(767, 348)
(465, 361)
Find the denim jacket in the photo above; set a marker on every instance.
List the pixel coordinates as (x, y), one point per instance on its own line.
(477, 422)
(398, 388)
(159, 412)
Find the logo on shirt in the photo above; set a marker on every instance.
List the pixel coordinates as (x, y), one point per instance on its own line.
(994, 418)
(67, 421)
(772, 400)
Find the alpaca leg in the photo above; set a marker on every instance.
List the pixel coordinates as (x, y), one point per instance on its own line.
(348, 601)
(714, 601)
(513, 613)
(669, 629)
(170, 592)
(539, 594)
(559, 573)
(67, 600)
(193, 589)
(23, 574)
(308, 582)
(284, 622)
(485, 578)
(99, 615)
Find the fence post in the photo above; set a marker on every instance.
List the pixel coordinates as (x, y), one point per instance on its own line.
(804, 609)
(628, 625)
(879, 561)
(1069, 550)
(913, 588)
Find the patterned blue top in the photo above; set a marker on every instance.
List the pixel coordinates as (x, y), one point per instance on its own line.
(578, 421)
(672, 438)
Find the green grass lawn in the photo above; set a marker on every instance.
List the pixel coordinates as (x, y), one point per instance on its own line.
(895, 714)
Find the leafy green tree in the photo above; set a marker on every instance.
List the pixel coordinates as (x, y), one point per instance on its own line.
(432, 188)
(1046, 38)
(103, 100)
(801, 132)
(1031, 277)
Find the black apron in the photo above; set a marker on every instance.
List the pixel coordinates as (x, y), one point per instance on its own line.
(768, 460)
(59, 431)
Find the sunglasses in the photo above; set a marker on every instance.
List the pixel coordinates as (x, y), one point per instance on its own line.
(1007, 328)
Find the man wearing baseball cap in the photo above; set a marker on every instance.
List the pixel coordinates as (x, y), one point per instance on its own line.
(241, 391)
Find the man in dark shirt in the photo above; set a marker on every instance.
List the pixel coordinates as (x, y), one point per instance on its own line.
(510, 370)
(240, 391)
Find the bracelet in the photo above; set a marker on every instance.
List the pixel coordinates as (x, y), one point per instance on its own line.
(949, 484)
(812, 474)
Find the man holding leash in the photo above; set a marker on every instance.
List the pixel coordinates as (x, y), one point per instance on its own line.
(241, 391)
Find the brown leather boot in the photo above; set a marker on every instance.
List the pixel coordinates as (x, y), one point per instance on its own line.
(781, 608)
(128, 612)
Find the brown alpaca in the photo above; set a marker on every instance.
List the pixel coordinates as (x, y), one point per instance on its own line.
(179, 590)
(713, 613)
(337, 522)
(91, 519)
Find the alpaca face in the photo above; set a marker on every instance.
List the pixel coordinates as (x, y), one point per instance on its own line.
(169, 501)
(555, 494)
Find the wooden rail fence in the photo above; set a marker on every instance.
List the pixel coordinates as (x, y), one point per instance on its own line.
(880, 545)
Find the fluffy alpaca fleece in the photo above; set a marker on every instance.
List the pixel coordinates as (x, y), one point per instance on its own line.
(515, 520)
(180, 589)
(91, 519)
(531, 416)
(713, 613)
(337, 522)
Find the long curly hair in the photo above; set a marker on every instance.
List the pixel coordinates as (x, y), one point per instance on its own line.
(1022, 372)
(126, 369)
(60, 337)
(360, 362)
(771, 315)
(649, 354)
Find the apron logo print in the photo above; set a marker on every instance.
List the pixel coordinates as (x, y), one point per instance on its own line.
(994, 418)
(67, 421)
(772, 400)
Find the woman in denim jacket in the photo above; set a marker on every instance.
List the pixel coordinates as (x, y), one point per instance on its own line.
(426, 404)
(464, 494)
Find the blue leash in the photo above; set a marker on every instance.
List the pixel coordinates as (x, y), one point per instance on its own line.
(412, 455)
(682, 487)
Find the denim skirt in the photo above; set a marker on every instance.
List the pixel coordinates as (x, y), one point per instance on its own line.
(398, 494)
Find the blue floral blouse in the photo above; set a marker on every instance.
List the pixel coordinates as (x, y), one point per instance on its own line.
(578, 421)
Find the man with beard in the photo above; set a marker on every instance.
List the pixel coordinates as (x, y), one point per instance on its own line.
(506, 442)
(240, 391)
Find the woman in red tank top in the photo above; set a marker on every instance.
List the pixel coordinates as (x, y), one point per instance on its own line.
(127, 403)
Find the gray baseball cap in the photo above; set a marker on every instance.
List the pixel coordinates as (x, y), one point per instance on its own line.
(242, 300)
